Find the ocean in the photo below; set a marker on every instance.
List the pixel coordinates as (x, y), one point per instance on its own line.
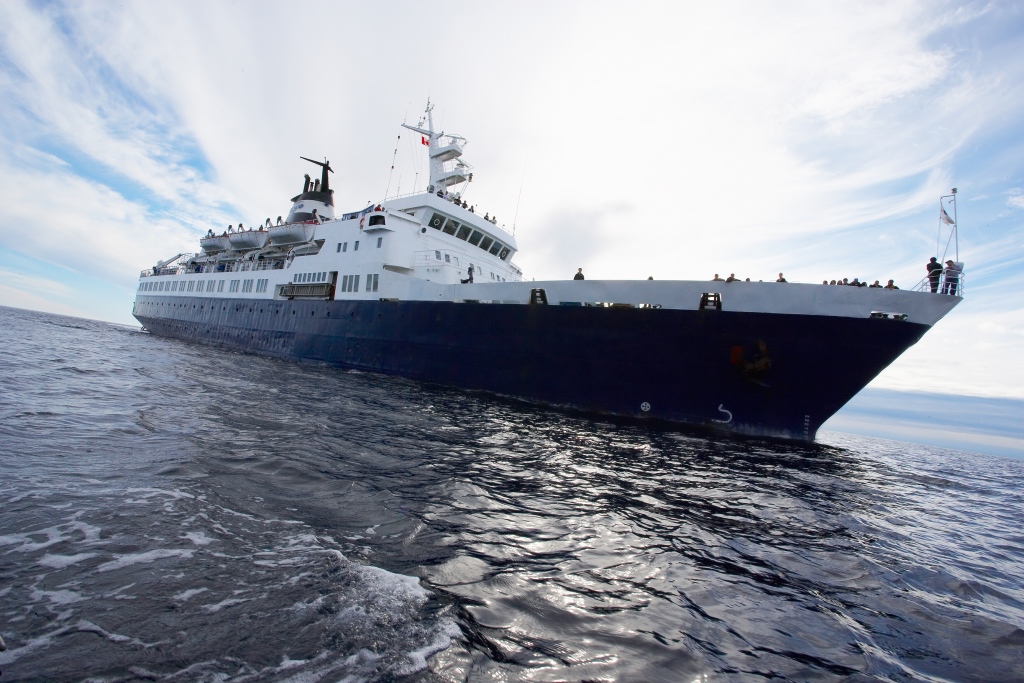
(173, 512)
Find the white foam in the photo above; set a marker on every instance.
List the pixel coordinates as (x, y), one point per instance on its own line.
(61, 561)
(143, 558)
(228, 602)
(64, 597)
(199, 538)
(418, 658)
(190, 593)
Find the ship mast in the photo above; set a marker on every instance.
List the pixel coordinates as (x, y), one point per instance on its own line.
(442, 148)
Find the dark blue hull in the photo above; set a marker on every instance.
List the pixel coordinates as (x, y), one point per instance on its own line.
(755, 373)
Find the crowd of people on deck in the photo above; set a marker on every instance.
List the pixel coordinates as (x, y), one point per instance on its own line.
(457, 200)
(949, 274)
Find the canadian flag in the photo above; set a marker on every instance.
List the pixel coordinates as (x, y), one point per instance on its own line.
(424, 141)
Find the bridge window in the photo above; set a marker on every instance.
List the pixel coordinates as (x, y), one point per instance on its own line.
(474, 239)
(504, 254)
(463, 232)
(376, 220)
(486, 243)
(436, 221)
(451, 227)
(495, 248)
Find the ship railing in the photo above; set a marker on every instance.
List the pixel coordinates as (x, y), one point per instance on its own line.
(954, 285)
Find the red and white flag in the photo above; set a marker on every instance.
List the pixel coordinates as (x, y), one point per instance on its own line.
(424, 141)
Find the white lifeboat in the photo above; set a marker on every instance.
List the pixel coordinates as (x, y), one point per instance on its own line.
(291, 233)
(248, 239)
(214, 244)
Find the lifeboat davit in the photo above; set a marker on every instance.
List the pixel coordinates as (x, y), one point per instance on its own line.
(248, 239)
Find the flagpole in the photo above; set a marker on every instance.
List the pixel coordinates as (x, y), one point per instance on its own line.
(956, 228)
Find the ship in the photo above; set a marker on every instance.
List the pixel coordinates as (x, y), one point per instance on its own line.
(425, 287)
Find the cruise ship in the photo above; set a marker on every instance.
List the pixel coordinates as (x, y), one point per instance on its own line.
(425, 287)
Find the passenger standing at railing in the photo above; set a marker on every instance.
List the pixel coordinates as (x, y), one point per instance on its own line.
(952, 279)
(934, 271)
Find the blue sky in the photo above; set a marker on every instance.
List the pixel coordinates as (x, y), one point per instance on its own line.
(668, 139)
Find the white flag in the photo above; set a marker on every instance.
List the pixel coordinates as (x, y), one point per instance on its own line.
(945, 217)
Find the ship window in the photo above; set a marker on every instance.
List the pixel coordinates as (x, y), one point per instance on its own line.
(220, 286)
(474, 239)
(463, 232)
(436, 221)
(376, 220)
(369, 282)
(380, 241)
(211, 283)
(344, 246)
(486, 243)
(437, 255)
(455, 260)
(344, 283)
(447, 258)
(355, 284)
(339, 247)
(376, 279)
(355, 247)
(504, 254)
(495, 248)
(234, 285)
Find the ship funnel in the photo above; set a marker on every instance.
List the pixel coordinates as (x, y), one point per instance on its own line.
(316, 202)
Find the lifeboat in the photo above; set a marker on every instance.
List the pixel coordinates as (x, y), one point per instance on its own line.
(291, 233)
(248, 239)
(215, 244)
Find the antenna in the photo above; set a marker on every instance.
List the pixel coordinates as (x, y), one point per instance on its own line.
(516, 216)
(393, 157)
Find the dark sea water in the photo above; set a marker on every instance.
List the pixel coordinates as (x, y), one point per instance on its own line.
(170, 512)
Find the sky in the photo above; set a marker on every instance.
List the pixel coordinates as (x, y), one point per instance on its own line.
(673, 140)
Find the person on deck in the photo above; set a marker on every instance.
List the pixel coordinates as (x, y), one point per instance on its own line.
(875, 284)
(952, 279)
(891, 285)
(934, 269)
(578, 275)
(716, 278)
(782, 279)
(731, 278)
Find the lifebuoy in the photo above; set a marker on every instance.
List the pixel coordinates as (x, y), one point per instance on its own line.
(361, 221)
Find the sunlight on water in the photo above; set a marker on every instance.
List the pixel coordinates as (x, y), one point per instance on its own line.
(175, 512)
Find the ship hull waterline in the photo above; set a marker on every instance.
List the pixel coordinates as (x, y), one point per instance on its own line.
(752, 373)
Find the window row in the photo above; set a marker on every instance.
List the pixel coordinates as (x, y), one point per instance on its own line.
(343, 246)
(302, 278)
(211, 286)
(350, 283)
(466, 232)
